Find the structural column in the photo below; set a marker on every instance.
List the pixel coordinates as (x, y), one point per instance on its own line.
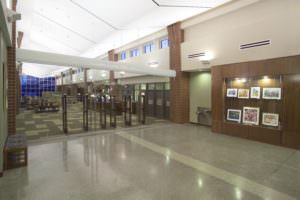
(112, 57)
(85, 81)
(115, 89)
(12, 79)
(179, 94)
(62, 83)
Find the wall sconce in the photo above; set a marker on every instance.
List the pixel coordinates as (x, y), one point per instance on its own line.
(206, 57)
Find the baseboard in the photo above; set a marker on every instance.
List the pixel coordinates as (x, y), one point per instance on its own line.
(200, 124)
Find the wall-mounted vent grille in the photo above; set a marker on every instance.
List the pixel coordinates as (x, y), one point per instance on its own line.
(255, 44)
(196, 55)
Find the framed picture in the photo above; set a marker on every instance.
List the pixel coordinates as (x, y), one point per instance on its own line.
(231, 92)
(270, 119)
(234, 115)
(255, 93)
(243, 94)
(271, 93)
(251, 115)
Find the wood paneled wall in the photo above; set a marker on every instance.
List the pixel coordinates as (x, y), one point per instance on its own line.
(286, 67)
(179, 94)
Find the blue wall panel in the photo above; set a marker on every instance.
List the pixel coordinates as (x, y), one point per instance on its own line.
(34, 86)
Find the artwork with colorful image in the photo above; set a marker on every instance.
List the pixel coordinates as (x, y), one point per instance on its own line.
(272, 93)
(251, 115)
(234, 115)
(243, 93)
(270, 119)
(231, 92)
(255, 92)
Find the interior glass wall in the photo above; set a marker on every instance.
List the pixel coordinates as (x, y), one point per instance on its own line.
(34, 86)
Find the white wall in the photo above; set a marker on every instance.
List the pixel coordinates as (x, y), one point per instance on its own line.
(277, 20)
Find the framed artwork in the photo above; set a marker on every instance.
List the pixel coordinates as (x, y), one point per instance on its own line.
(270, 119)
(255, 93)
(231, 92)
(234, 115)
(243, 94)
(251, 115)
(271, 93)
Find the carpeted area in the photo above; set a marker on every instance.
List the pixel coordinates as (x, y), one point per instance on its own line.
(48, 124)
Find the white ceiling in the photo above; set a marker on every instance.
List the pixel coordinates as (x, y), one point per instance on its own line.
(92, 27)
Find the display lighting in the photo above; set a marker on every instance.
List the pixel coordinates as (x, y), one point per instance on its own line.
(266, 79)
(241, 80)
(103, 75)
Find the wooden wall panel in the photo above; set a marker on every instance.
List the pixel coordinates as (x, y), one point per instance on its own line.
(217, 96)
(288, 68)
(234, 129)
(291, 86)
(235, 70)
(267, 135)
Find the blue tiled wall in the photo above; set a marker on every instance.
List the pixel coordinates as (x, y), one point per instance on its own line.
(34, 86)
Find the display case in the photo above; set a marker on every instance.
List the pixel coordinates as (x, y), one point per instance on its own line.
(254, 101)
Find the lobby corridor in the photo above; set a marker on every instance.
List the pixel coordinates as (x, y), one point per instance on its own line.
(159, 162)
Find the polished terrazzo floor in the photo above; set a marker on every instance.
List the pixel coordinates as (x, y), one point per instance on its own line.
(159, 162)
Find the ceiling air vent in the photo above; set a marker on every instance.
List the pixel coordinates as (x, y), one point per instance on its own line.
(255, 44)
(196, 55)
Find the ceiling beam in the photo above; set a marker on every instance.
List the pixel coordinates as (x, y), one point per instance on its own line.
(38, 57)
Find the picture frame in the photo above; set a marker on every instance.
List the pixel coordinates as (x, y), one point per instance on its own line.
(234, 115)
(271, 93)
(270, 119)
(255, 93)
(243, 93)
(232, 92)
(251, 115)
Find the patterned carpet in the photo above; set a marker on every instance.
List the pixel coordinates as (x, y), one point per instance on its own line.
(37, 125)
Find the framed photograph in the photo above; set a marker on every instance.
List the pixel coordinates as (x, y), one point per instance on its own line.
(255, 93)
(251, 115)
(234, 115)
(243, 94)
(270, 119)
(271, 93)
(231, 92)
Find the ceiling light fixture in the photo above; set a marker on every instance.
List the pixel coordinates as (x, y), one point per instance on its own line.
(153, 64)
(179, 6)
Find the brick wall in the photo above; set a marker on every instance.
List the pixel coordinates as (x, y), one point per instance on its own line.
(116, 90)
(12, 80)
(112, 57)
(179, 94)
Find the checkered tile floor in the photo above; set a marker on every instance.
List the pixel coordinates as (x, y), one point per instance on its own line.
(38, 125)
